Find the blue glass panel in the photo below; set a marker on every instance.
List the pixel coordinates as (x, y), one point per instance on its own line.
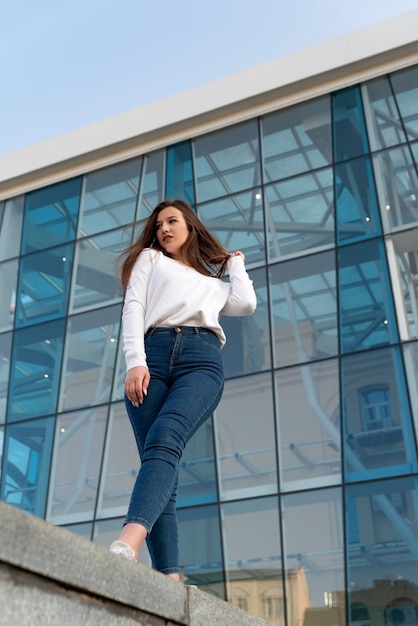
(313, 553)
(200, 549)
(94, 279)
(75, 470)
(5, 349)
(402, 251)
(44, 285)
(11, 217)
(1, 449)
(109, 198)
(89, 362)
(227, 161)
(304, 309)
(238, 222)
(405, 85)
(120, 465)
(382, 116)
(410, 355)
(254, 568)
(308, 410)
(350, 138)
(300, 214)
(297, 139)
(247, 446)
(8, 283)
(378, 431)
(35, 370)
(51, 216)
(152, 186)
(382, 559)
(179, 181)
(366, 308)
(197, 473)
(396, 174)
(247, 347)
(120, 371)
(356, 201)
(27, 456)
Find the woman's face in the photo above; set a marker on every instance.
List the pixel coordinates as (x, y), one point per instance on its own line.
(172, 230)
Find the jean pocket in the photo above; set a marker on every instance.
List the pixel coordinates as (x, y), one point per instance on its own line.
(208, 338)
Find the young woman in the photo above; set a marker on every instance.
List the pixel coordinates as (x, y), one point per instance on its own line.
(172, 338)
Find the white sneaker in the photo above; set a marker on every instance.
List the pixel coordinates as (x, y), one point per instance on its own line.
(123, 549)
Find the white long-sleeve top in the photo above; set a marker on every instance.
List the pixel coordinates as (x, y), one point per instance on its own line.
(164, 292)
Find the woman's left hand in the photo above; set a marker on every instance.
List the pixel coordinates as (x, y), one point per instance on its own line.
(237, 253)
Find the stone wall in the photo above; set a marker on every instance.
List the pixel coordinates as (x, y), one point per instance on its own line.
(51, 577)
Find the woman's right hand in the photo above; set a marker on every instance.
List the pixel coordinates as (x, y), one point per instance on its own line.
(136, 384)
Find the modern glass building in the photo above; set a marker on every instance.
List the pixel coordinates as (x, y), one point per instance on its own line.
(299, 499)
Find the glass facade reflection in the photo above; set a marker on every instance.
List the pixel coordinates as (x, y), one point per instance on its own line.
(298, 498)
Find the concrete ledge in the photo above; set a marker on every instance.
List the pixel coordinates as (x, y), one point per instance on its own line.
(49, 575)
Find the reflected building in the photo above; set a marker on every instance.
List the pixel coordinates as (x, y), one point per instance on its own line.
(298, 499)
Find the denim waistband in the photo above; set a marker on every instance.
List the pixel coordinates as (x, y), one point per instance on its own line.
(186, 330)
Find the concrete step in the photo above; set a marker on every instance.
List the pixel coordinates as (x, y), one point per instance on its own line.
(50, 576)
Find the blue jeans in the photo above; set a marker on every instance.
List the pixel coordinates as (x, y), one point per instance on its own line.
(187, 380)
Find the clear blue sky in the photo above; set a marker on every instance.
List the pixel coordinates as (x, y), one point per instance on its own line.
(68, 63)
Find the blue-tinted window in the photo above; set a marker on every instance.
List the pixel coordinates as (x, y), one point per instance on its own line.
(366, 309)
(152, 188)
(247, 444)
(5, 349)
(109, 198)
(78, 454)
(200, 549)
(382, 115)
(402, 251)
(11, 216)
(35, 370)
(197, 473)
(179, 178)
(382, 544)
(227, 161)
(120, 464)
(379, 439)
(300, 214)
(256, 560)
(44, 285)
(308, 422)
(313, 553)
(398, 187)
(297, 139)
(95, 280)
(1, 448)
(350, 138)
(51, 216)
(247, 347)
(27, 457)
(410, 354)
(304, 309)
(376, 410)
(405, 85)
(238, 222)
(89, 363)
(8, 283)
(357, 212)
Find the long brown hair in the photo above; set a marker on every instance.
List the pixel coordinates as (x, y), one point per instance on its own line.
(201, 250)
